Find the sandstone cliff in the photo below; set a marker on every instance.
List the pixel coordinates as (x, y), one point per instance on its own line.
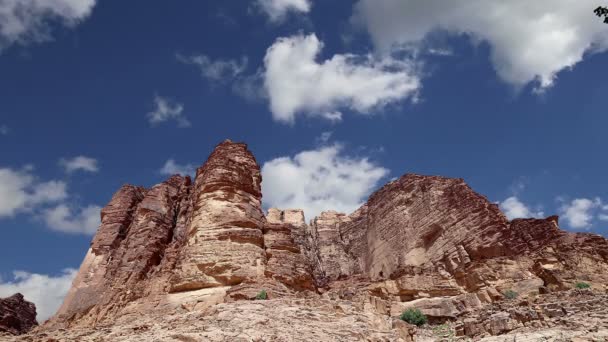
(420, 241)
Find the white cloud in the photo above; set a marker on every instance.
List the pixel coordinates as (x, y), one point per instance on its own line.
(297, 83)
(216, 70)
(48, 192)
(318, 180)
(579, 213)
(277, 10)
(529, 40)
(4, 130)
(165, 110)
(324, 137)
(24, 21)
(83, 221)
(603, 217)
(172, 168)
(79, 163)
(21, 191)
(47, 292)
(514, 208)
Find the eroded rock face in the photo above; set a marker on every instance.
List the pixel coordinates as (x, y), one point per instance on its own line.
(225, 243)
(17, 316)
(423, 242)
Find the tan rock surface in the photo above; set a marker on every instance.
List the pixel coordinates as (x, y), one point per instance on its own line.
(206, 250)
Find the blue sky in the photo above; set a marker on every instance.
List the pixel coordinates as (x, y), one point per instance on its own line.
(334, 98)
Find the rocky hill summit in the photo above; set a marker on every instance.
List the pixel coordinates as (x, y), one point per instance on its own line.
(17, 316)
(186, 260)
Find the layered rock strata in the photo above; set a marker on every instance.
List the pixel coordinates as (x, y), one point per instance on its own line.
(420, 241)
(17, 316)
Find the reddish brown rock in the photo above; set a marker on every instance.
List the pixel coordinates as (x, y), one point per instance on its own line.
(423, 242)
(225, 244)
(287, 262)
(17, 316)
(125, 257)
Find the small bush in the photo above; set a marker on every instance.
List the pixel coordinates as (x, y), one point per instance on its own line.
(262, 295)
(582, 285)
(510, 294)
(413, 316)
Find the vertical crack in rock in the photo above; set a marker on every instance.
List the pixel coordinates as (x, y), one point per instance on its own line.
(137, 226)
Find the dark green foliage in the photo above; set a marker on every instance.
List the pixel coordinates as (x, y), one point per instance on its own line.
(262, 295)
(413, 316)
(602, 12)
(510, 294)
(582, 285)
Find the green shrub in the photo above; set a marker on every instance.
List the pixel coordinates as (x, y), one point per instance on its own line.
(582, 285)
(510, 294)
(262, 295)
(413, 316)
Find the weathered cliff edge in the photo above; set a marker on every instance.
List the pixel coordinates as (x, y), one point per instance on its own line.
(205, 248)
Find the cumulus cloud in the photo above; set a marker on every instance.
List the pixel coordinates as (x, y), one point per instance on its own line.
(297, 83)
(81, 163)
(165, 110)
(64, 219)
(216, 70)
(277, 10)
(318, 180)
(46, 291)
(21, 191)
(172, 168)
(529, 40)
(25, 21)
(579, 213)
(513, 208)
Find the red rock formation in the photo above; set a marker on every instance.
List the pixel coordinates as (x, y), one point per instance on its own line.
(137, 227)
(419, 241)
(17, 316)
(225, 244)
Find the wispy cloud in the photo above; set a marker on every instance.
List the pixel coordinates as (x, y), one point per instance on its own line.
(23, 22)
(219, 70)
(172, 168)
(277, 10)
(79, 163)
(166, 109)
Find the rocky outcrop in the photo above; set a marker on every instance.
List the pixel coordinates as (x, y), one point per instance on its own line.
(17, 316)
(423, 242)
(224, 244)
